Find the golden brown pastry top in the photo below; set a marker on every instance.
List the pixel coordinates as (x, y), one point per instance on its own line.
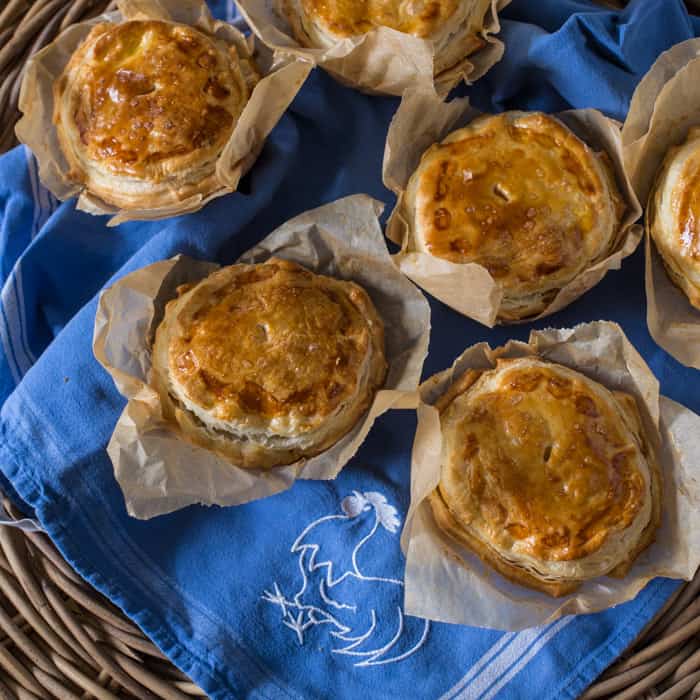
(352, 17)
(150, 91)
(673, 215)
(544, 461)
(276, 340)
(687, 195)
(517, 193)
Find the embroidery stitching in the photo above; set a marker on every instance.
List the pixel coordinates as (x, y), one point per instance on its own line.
(300, 616)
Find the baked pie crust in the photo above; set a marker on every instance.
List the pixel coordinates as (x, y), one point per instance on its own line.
(266, 364)
(144, 108)
(673, 215)
(521, 195)
(546, 475)
(454, 27)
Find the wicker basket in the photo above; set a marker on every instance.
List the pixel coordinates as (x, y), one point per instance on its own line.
(61, 639)
(664, 661)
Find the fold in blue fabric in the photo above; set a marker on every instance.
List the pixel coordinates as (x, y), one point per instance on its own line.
(299, 595)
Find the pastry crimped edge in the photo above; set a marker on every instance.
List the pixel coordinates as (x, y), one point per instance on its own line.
(516, 309)
(448, 524)
(247, 453)
(187, 176)
(654, 220)
(451, 43)
(454, 44)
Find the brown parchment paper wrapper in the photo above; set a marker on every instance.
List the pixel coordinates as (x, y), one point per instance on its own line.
(664, 106)
(449, 583)
(157, 470)
(421, 120)
(383, 61)
(268, 102)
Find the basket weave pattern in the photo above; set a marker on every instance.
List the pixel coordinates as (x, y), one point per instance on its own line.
(61, 639)
(664, 661)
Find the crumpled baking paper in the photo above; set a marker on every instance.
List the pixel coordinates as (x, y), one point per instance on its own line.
(157, 470)
(447, 582)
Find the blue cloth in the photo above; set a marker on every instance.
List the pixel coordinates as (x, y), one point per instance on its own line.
(239, 598)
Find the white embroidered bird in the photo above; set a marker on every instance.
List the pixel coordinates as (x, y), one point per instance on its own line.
(363, 612)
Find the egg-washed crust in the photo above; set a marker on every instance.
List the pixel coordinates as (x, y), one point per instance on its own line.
(635, 423)
(673, 215)
(144, 108)
(621, 408)
(454, 27)
(266, 364)
(446, 522)
(522, 195)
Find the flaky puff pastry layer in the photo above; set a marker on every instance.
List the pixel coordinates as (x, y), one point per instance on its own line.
(673, 215)
(546, 475)
(452, 26)
(266, 364)
(523, 196)
(144, 108)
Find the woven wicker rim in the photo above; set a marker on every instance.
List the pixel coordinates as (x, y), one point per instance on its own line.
(59, 638)
(664, 661)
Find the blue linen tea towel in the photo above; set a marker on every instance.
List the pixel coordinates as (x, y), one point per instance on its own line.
(299, 595)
